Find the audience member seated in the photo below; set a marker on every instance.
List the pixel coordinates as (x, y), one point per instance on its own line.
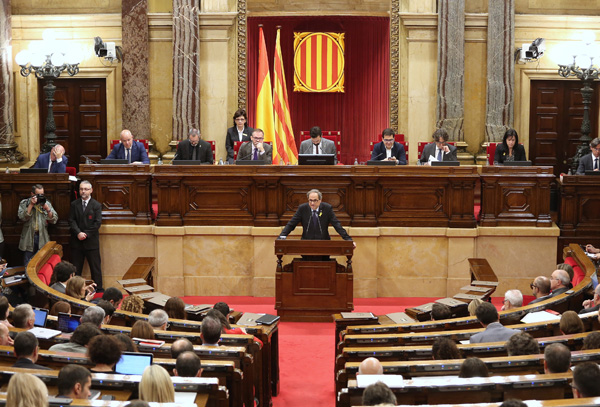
(513, 403)
(473, 367)
(188, 365)
(179, 346)
(472, 308)
(591, 249)
(55, 162)
(388, 149)
(76, 288)
(156, 385)
(159, 319)
(557, 358)
(5, 339)
(104, 352)
(175, 308)
(94, 315)
(586, 377)
(569, 269)
(445, 348)
(23, 316)
(129, 149)
(108, 309)
(4, 311)
(60, 306)
(26, 390)
(63, 271)
(559, 282)
(127, 345)
(522, 343)
(133, 303)
(570, 323)
(370, 366)
(225, 327)
(540, 289)
(138, 403)
(591, 341)
(588, 305)
(512, 299)
(26, 351)
(142, 330)
(74, 382)
(440, 311)
(487, 315)
(78, 342)
(112, 295)
(378, 394)
(223, 308)
(210, 331)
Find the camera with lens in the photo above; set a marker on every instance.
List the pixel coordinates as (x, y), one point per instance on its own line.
(41, 199)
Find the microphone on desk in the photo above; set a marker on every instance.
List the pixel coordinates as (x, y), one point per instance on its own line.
(88, 160)
(377, 156)
(245, 157)
(174, 157)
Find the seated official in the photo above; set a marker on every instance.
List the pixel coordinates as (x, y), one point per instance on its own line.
(194, 148)
(63, 271)
(439, 149)
(26, 351)
(55, 161)
(593, 304)
(586, 377)
(74, 382)
(188, 364)
(592, 250)
(512, 299)
(239, 132)
(540, 289)
(388, 149)
(509, 149)
(256, 149)
(590, 162)
(559, 282)
(129, 149)
(23, 316)
(557, 358)
(80, 339)
(487, 315)
(318, 144)
(210, 331)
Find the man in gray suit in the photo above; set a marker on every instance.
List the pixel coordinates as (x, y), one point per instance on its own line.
(256, 149)
(590, 162)
(439, 148)
(318, 145)
(487, 315)
(63, 271)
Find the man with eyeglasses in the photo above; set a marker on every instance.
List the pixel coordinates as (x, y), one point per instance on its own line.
(389, 149)
(590, 162)
(512, 299)
(559, 282)
(256, 149)
(540, 288)
(194, 148)
(593, 304)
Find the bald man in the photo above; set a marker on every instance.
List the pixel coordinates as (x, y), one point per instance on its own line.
(55, 161)
(5, 339)
(129, 149)
(540, 289)
(559, 282)
(370, 366)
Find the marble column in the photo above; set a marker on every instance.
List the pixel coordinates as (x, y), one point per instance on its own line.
(136, 83)
(8, 147)
(451, 63)
(500, 69)
(186, 67)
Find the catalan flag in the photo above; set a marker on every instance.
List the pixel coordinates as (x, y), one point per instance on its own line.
(264, 100)
(318, 62)
(284, 134)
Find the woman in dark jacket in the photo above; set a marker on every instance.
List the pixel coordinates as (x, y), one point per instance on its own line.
(239, 132)
(509, 149)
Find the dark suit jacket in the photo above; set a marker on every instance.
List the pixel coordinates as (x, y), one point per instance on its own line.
(58, 287)
(536, 300)
(326, 217)
(327, 147)
(585, 164)
(429, 149)
(57, 167)
(25, 363)
(88, 222)
(592, 309)
(502, 153)
(558, 291)
(397, 151)
(245, 152)
(184, 151)
(232, 136)
(138, 153)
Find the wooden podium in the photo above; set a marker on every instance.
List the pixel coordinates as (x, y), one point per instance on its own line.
(311, 291)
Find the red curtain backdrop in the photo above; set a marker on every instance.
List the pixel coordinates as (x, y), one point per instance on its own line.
(362, 111)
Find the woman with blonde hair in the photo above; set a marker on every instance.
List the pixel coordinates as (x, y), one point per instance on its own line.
(76, 288)
(26, 390)
(156, 385)
(133, 303)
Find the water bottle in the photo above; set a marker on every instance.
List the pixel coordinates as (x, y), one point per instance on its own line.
(220, 161)
(356, 161)
(159, 161)
(7, 170)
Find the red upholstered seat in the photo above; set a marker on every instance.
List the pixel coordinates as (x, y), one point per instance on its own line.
(491, 152)
(72, 171)
(53, 260)
(397, 137)
(333, 135)
(578, 274)
(45, 273)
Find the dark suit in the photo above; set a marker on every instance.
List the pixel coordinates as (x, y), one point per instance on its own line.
(43, 161)
(88, 222)
(58, 287)
(327, 147)
(397, 151)
(502, 153)
(586, 163)
(558, 291)
(429, 150)
(535, 301)
(138, 153)
(245, 153)
(592, 309)
(232, 136)
(203, 151)
(309, 232)
(25, 363)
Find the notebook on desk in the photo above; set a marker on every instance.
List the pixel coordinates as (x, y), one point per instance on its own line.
(267, 319)
(248, 319)
(44, 333)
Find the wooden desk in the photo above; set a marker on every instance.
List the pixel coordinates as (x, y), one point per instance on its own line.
(366, 196)
(123, 190)
(516, 196)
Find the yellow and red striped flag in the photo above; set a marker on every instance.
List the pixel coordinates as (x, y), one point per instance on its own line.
(264, 99)
(284, 134)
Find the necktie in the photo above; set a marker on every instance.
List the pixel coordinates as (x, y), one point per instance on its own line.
(128, 156)
(255, 153)
(439, 157)
(317, 148)
(84, 205)
(596, 163)
(315, 221)
(194, 152)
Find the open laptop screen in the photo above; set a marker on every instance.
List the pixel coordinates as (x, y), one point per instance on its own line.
(67, 322)
(133, 363)
(40, 317)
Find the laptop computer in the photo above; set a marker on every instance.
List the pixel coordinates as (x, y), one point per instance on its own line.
(248, 319)
(68, 322)
(113, 161)
(33, 170)
(188, 162)
(445, 163)
(381, 162)
(133, 363)
(316, 159)
(517, 163)
(41, 315)
(592, 173)
(249, 162)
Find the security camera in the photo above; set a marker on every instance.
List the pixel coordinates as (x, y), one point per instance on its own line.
(533, 51)
(108, 50)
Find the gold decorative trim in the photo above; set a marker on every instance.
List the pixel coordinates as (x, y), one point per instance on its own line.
(242, 32)
(394, 64)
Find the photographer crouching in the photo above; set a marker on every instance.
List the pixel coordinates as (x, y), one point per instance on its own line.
(36, 211)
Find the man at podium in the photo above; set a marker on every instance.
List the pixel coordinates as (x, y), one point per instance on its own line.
(315, 216)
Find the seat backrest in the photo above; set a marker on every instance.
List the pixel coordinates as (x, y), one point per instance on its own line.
(113, 143)
(72, 171)
(490, 151)
(397, 137)
(333, 135)
(404, 143)
(421, 145)
(45, 273)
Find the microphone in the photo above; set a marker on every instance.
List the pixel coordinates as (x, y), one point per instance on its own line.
(174, 157)
(88, 160)
(246, 156)
(377, 156)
